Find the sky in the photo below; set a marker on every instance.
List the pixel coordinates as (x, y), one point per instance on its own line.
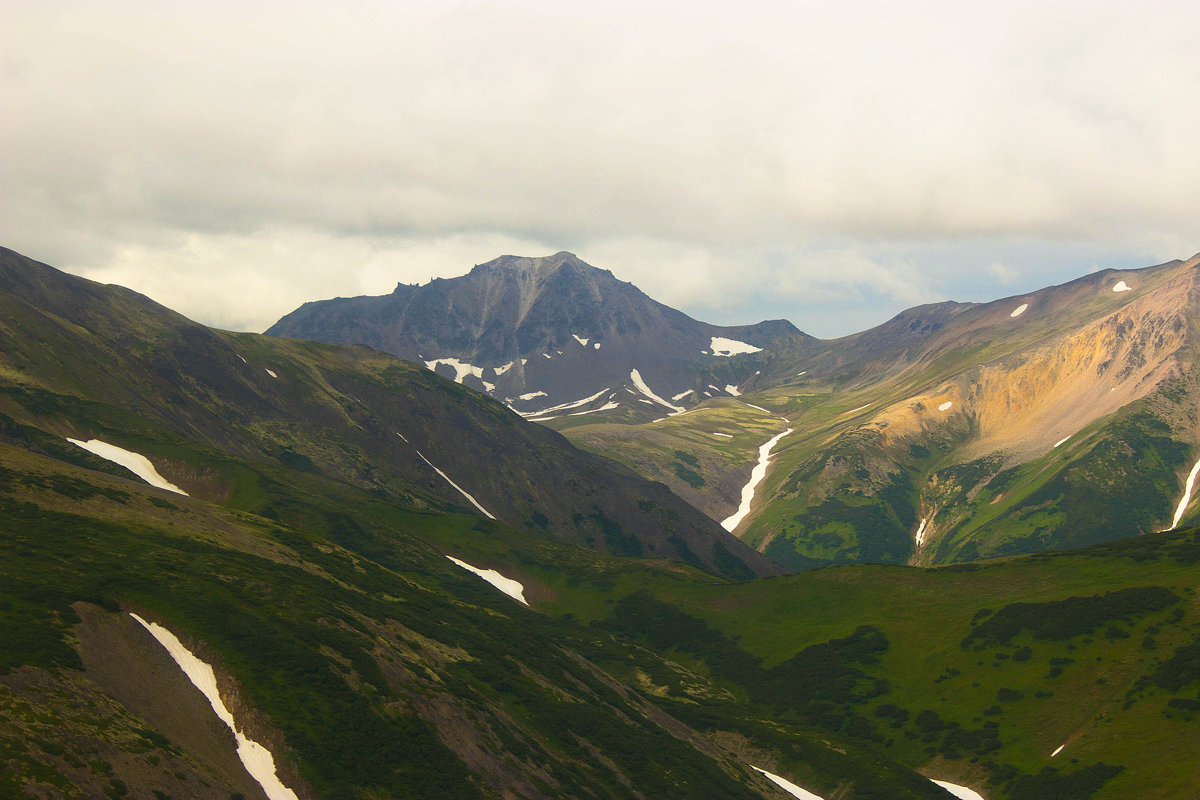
(829, 163)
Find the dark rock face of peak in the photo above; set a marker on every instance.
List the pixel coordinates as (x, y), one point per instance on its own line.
(542, 332)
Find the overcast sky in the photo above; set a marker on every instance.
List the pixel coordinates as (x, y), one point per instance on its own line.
(827, 162)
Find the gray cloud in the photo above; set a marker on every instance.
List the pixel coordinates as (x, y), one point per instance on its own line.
(738, 160)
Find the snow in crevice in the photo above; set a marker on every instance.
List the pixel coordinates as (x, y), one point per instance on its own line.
(1062, 441)
(1187, 496)
(580, 339)
(756, 477)
(919, 537)
(683, 394)
(636, 377)
(547, 355)
(757, 408)
(787, 786)
(1058, 749)
(720, 346)
(724, 435)
(531, 395)
(446, 477)
(1122, 286)
(1019, 310)
(136, 463)
(514, 589)
(244, 361)
(271, 372)
(257, 759)
(609, 406)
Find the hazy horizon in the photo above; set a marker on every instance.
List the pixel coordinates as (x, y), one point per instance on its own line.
(831, 164)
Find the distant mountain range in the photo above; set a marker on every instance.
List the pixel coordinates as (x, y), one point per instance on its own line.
(552, 337)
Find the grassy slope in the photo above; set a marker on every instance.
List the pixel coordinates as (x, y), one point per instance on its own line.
(349, 621)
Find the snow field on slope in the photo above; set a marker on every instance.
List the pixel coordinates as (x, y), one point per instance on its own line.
(1019, 310)
(514, 589)
(136, 463)
(720, 346)
(257, 759)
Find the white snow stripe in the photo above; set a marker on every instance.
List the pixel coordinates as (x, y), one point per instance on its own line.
(920, 537)
(514, 589)
(636, 377)
(461, 490)
(1058, 750)
(1062, 440)
(271, 372)
(564, 406)
(136, 463)
(961, 792)
(682, 395)
(788, 786)
(257, 759)
(1187, 496)
(756, 477)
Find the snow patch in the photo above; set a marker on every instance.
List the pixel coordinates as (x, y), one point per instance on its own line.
(1019, 310)
(461, 370)
(756, 477)
(733, 390)
(514, 589)
(1058, 750)
(1122, 286)
(501, 370)
(546, 355)
(788, 786)
(720, 346)
(682, 395)
(759, 408)
(636, 377)
(271, 372)
(1187, 496)
(461, 490)
(1062, 440)
(726, 435)
(596, 345)
(136, 463)
(945, 406)
(580, 339)
(257, 759)
(531, 395)
(961, 792)
(244, 361)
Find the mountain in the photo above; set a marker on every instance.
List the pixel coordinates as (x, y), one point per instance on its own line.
(1059, 418)
(226, 542)
(87, 361)
(551, 337)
